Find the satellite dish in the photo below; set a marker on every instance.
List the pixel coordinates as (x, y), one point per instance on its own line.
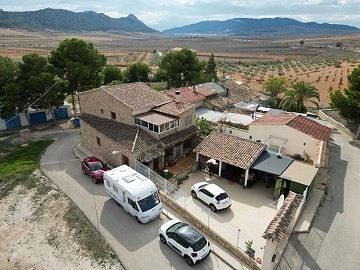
(280, 202)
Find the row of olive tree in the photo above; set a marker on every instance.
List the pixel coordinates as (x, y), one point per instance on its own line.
(177, 68)
(294, 98)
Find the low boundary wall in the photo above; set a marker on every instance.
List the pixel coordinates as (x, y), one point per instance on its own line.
(191, 218)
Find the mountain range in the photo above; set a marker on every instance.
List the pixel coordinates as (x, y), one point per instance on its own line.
(265, 26)
(69, 21)
(64, 20)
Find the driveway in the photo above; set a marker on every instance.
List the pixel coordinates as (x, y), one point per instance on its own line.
(251, 211)
(137, 245)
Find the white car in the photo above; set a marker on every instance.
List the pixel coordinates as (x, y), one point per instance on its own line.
(212, 195)
(185, 240)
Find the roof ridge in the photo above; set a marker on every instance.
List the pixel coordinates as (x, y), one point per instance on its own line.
(135, 139)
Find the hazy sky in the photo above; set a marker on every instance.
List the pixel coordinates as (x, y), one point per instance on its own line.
(165, 14)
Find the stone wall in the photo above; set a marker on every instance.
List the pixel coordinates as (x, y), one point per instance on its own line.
(336, 124)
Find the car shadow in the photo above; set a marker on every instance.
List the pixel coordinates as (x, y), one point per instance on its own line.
(126, 231)
(179, 261)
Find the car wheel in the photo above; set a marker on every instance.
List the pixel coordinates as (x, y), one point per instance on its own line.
(212, 208)
(83, 171)
(137, 219)
(94, 180)
(162, 239)
(193, 194)
(188, 260)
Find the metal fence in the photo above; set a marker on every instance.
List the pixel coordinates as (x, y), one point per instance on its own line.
(234, 235)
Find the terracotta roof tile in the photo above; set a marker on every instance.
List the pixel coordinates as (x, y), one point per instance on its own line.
(280, 223)
(268, 119)
(298, 122)
(310, 127)
(188, 95)
(230, 149)
(136, 95)
(131, 138)
(174, 109)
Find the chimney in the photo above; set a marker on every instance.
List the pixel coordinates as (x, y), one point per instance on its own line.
(177, 96)
(194, 88)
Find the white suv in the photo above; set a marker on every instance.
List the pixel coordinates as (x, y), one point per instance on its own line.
(185, 240)
(212, 195)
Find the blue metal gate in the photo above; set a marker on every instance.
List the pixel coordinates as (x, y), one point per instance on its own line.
(37, 118)
(61, 113)
(13, 122)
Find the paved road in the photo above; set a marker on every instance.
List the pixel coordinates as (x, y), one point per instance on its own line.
(137, 245)
(334, 240)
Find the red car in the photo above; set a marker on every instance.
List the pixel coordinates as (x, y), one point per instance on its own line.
(95, 168)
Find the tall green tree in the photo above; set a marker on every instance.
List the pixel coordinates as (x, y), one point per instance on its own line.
(112, 74)
(8, 71)
(9, 90)
(182, 68)
(274, 86)
(211, 69)
(137, 72)
(348, 103)
(78, 63)
(300, 93)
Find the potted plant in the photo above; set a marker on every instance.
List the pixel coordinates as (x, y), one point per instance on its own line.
(249, 250)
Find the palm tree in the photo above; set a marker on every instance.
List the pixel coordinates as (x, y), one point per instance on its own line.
(301, 92)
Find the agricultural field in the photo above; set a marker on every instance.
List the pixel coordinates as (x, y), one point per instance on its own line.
(323, 61)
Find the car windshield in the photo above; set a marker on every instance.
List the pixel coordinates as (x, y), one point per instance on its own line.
(94, 166)
(149, 202)
(221, 196)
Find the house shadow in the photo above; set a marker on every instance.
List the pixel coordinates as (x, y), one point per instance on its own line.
(132, 235)
(333, 205)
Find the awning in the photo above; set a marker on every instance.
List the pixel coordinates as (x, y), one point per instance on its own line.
(271, 162)
(300, 172)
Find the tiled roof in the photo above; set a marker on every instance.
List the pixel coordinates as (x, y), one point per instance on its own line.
(179, 136)
(155, 118)
(269, 119)
(188, 95)
(280, 223)
(298, 122)
(311, 127)
(173, 108)
(131, 138)
(136, 95)
(230, 149)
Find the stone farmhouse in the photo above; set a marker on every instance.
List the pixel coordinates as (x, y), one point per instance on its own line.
(124, 122)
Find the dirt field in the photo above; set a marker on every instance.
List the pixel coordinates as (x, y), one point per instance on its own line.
(35, 234)
(249, 60)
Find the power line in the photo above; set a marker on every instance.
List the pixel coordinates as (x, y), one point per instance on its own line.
(29, 105)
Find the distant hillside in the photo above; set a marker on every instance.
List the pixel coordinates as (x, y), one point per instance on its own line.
(266, 26)
(64, 20)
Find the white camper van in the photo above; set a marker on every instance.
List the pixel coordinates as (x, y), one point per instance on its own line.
(137, 194)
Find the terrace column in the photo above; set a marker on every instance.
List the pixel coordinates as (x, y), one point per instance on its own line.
(220, 167)
(197, 157)
(246, 177)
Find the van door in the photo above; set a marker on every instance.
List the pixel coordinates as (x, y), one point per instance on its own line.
(132, 207)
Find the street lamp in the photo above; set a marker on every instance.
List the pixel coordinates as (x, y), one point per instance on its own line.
(150, 76)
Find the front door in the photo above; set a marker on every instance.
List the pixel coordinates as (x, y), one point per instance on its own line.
(178, 151)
